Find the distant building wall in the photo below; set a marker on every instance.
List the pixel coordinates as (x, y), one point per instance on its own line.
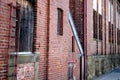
(102, 54)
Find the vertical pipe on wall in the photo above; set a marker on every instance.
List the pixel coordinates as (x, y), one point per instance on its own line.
(105, 24)
(47, 50)
(97, 41)
(78, 44)
(85, 39)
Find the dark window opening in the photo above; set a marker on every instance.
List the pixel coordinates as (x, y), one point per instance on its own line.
(26, 26)
(118, 36)
(59, 21)
(73, 44)
(111, 1)
(110, 31)
(100, 27)
(95, 29)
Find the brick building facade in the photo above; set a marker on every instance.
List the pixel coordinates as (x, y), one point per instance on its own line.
(102, 46)
(54, 50)
(37, 42)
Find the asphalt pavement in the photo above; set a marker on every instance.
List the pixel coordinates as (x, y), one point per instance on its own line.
(113, 75)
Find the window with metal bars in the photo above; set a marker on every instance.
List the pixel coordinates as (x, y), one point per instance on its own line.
(95, 25)
(111, 1)
(118, 36)
(26, 26)
(100, 27)
(59, 21)
(111, 32)
(95, 29)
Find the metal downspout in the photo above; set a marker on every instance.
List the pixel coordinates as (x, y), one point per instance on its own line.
(78, 42)
(85, 39)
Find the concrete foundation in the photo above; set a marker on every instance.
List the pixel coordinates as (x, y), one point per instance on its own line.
(101, 64)
(27, 67)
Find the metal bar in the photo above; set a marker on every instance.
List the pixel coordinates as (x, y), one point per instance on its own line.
(75, 34)
(78, 42)
(12, 75)
(16, 43)
(8, 51)
(85, 39)
(17, 38)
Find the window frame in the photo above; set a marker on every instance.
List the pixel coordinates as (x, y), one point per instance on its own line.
(95, 29)
(73, 43)
(29, 8)
(100, 27)
(59, 21)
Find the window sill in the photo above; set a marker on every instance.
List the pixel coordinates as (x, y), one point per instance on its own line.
(97, 40)
(25, 53)
(111, 43)
(25, 57)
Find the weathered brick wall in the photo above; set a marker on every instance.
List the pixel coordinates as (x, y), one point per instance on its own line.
(25, 71)
(91, 42)
(27, 66)
(4, 27)
(101, 63)
(60, 47)
(77, 10)
(4, 39)
(40, 36)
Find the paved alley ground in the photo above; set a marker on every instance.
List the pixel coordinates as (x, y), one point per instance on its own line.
(113, 75)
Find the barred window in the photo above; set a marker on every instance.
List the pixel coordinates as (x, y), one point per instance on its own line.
(59, 21)
(95, 30)
(118, 36)
(26, 26)
(111, 1)
(100, 27)
(110, 31)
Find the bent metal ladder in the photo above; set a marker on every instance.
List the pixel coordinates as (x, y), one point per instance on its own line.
(14, 16)
(78, 42)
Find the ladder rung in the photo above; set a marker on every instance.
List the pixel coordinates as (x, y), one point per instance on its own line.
(4, 65)
(13, 26)
(15, 18)
(11, 75)
(3, 71)
(12, 65)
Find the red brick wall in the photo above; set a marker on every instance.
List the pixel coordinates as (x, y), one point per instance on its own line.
(40, 39)
(77, 10)
(4, 27)
(60, 47)
(92, 45)
(52, 47)
(25, 71)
